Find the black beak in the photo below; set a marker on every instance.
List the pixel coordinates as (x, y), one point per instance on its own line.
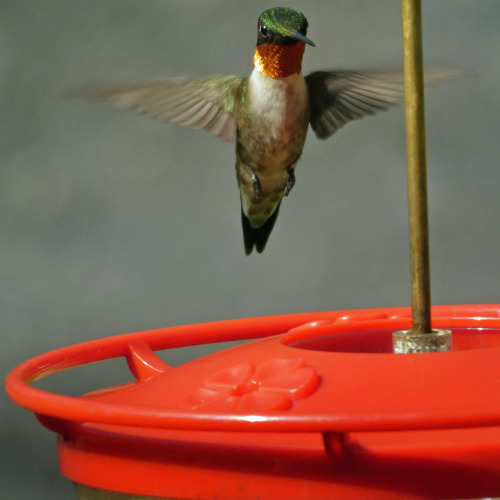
(302, 38)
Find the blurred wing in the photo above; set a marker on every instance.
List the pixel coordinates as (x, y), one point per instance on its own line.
(207, 103)
(337, 97)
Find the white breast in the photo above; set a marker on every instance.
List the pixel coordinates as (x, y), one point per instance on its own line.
(277, 101)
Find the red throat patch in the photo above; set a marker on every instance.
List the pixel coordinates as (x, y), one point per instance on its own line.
(278, 61)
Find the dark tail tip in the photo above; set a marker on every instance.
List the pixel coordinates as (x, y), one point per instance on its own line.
(257, 237)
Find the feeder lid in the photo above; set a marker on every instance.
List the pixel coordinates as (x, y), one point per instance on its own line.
(331, 371)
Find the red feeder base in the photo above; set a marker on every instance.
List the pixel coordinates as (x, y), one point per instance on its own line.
(318, 408)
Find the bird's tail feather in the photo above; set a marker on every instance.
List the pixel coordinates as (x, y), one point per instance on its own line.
(257, 237)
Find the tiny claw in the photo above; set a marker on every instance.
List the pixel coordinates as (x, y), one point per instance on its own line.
(290, 182)
(257, 186)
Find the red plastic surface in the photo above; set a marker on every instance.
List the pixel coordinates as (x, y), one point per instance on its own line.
(319, 408)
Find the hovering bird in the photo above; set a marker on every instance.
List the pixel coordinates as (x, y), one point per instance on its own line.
(268, 112)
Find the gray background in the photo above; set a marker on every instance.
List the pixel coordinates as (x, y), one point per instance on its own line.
(113, 223)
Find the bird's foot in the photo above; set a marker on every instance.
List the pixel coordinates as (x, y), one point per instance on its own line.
(257, 186)
(290, 182)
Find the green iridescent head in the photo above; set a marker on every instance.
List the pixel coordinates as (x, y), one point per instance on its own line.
(282, 25)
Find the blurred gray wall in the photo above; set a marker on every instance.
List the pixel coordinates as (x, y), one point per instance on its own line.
(112, 223)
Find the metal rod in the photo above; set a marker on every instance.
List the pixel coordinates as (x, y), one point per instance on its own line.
(416, 164)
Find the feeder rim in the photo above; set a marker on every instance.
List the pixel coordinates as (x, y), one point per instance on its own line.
(77, 411)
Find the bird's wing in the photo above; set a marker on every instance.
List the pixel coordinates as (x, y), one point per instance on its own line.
(207, 102)
(337, 97)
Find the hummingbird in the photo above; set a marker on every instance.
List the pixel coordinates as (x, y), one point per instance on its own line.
(267, 113)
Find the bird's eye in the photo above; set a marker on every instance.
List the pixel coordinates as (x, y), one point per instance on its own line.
(264, 30)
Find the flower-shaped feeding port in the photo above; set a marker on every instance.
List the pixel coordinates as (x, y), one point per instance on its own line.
(273, 384)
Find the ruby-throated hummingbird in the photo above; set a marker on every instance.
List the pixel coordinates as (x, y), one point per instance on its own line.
(269, 112)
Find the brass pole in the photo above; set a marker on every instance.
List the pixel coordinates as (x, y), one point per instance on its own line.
(416, 165)
(421, 338)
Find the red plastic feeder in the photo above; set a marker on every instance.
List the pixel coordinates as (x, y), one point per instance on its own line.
(319, 408)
